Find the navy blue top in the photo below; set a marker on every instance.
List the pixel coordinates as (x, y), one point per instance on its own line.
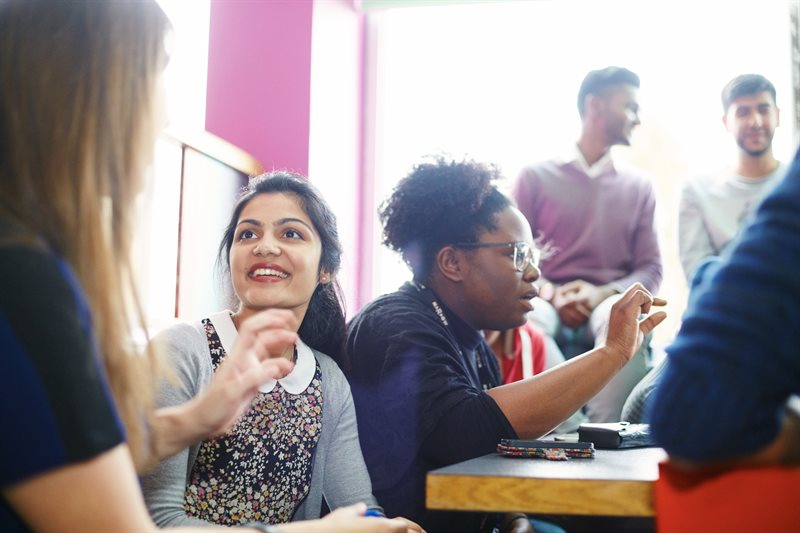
(56, 404)
(419, 391)
(736, 359)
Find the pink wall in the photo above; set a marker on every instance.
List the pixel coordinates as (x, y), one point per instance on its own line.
(267, 96)
(259, 78)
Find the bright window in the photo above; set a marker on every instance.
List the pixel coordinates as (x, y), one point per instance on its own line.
(187, 72)
(497, 82)
(157, 236)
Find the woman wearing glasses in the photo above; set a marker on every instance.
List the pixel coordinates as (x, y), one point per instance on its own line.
(426, 386)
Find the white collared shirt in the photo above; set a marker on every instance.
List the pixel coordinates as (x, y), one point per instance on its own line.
(295, 382)
(602, 165)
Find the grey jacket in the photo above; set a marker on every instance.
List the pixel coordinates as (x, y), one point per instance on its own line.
(338, 472)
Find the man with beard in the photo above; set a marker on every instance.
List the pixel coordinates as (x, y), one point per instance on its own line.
(715, 207)
(596, 218)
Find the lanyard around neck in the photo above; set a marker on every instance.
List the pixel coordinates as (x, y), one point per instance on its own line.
(431, 297)
(484, 373)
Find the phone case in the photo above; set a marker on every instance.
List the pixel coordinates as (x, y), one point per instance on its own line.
(546, 449)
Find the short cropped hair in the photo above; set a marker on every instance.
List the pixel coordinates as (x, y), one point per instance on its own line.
(598, 81)
(746, 85)
(440, 203)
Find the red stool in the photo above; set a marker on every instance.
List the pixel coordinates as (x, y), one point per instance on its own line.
(763, 499)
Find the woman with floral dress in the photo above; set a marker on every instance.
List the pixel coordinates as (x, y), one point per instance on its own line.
(297, 445)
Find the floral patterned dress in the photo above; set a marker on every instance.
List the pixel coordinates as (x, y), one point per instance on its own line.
(260, 470)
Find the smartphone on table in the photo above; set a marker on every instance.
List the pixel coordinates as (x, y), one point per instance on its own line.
(546, 449)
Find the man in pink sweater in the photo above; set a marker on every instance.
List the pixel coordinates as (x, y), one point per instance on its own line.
(596, 216)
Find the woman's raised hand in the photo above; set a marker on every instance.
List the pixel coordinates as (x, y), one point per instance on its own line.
(255, 358)
(629, 321)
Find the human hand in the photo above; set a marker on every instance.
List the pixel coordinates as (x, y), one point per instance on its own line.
(254, 359)
(572, 311)
(574, 314)
(588, 294)
(351, 519)
(626, 330)
(411, 526)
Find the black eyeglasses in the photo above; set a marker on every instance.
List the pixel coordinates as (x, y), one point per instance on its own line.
(524, 253)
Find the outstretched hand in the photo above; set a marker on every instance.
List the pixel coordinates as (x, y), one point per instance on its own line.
(630, 320)
(254, 359)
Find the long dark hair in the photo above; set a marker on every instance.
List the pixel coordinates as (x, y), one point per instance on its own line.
(323, 327)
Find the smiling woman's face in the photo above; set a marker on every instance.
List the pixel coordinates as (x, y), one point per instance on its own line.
(275, 256)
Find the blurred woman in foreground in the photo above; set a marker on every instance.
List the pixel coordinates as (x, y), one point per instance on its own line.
(79, 111)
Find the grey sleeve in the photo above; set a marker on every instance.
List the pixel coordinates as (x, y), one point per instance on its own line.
(186, 352)
(636, 407)
(346, 478)
(694, 241)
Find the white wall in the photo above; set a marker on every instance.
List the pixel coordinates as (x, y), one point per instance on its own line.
(334, 152)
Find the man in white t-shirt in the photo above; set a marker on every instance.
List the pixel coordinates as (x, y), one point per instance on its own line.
(715, 207)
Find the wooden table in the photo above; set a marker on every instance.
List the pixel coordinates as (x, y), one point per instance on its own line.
(614, 483)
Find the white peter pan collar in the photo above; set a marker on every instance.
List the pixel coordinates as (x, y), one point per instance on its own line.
(295, 381)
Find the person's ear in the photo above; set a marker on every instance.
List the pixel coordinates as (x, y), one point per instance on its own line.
(450, 262)
(594, 105)
(325, 278)
(777, 116)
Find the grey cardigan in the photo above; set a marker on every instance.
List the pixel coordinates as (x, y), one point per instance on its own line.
(338, 471)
